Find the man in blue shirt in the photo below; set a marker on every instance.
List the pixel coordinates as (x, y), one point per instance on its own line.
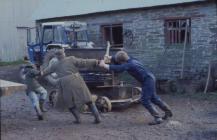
(147, 80)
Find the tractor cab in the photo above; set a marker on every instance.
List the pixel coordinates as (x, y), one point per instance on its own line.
(56, 35)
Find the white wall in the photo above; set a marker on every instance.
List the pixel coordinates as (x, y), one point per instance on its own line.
(14, 13)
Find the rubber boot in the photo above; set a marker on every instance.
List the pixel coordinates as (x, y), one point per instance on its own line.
(166, 109)
(76, 114)
(168, 114)
(157, 119)
(39, 113)
(95, 112)
(41, 104)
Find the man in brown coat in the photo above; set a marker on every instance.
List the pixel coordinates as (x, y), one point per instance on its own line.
(73, 89)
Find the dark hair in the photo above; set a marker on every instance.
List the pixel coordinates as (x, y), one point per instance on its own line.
(25, 58)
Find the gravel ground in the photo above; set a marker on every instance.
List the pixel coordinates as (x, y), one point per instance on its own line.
(193, 120)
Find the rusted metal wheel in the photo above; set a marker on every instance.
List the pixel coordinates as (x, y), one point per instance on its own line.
(136, 95)
(85, 108)
(104, 104)
(52, 97)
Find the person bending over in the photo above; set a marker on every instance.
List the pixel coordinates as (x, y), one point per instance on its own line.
(123, 62)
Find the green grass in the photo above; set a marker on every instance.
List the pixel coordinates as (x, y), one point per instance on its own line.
(11, 63)
(210, 96)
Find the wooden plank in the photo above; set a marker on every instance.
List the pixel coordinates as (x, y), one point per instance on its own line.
(8, 87)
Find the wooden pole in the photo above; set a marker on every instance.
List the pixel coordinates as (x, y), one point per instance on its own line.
(208, 78)
(183, 53)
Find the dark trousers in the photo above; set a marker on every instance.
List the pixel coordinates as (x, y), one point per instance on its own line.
(149, 96)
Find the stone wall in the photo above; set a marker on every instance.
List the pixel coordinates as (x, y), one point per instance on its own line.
(143, 33)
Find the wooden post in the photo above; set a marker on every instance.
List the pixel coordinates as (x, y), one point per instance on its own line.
(208, 78)
(183, 53)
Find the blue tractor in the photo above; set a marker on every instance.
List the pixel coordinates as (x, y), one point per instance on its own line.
(51, 35)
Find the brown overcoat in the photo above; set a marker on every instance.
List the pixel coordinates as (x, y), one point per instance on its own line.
(73, 90)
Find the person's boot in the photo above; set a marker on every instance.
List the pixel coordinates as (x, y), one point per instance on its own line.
(95, 112)
(41, 104)
(166, 109)
(157, 119)
(76, 114)
(39, 113)
(168, 114)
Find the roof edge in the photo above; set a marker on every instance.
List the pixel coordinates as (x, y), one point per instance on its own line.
(131, 9)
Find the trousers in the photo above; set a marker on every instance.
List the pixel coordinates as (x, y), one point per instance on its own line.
(150, 96)
(36, 95)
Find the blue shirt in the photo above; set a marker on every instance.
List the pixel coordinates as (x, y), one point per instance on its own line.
(134, 68)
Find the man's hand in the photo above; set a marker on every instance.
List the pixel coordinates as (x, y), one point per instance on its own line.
(103, 65)
(107, 59)
(41, 73)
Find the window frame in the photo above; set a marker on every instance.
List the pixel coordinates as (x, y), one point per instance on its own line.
(111, 26)
(173, 34)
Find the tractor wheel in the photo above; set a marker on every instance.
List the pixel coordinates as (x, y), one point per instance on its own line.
(104, 104)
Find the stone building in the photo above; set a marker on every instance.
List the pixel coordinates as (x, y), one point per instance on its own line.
(159, 33)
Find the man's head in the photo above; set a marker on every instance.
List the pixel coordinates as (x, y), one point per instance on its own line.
(60, 54)
(121, 57)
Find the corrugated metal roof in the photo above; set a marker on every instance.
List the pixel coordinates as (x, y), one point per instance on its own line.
(61, 8)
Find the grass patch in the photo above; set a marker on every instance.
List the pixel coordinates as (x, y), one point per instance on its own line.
(11, 63)
(211, 96)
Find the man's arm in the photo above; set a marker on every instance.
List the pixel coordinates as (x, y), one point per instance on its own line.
(119, 68)
(115, 68)
(34, 72)
(49, 69)
(85, 63)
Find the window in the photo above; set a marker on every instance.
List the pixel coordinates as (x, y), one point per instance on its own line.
(33, 36)
(48, 35)
(57, 34)
(114, 34)
(175, 31)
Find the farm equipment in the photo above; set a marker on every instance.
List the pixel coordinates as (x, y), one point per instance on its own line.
(55, 35)
(72, 36)
(111, 91)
